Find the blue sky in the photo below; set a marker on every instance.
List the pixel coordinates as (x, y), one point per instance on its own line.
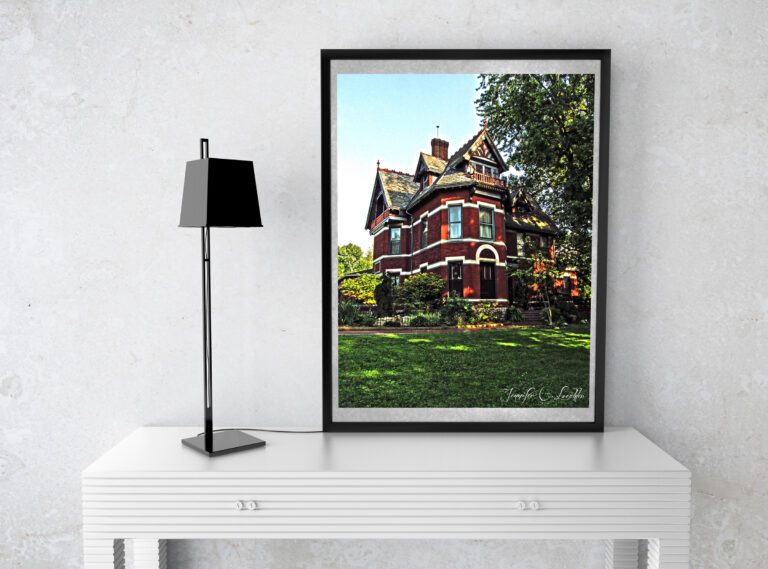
(392, 117)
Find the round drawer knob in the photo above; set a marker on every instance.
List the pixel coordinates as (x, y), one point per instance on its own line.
(251, 505)
(239, 505)
(534, 505)
(521, 505)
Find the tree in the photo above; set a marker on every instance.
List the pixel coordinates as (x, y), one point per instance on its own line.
(545, 124)
(361, 288)
(422, 290)
(538, 275)
(352, 260)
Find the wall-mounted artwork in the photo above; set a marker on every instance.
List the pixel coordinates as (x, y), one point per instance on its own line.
(464, 218)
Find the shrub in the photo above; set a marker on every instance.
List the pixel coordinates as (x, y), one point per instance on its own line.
(421, 290)
(360, 288)
(423, 319)
(514, 314)
(456, 312)
(550, 315)
(418, 321)
(348, 312)
(365, 319)
(568, 311)
(487, 312)
(392, 324)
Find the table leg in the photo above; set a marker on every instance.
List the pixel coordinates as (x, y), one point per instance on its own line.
(668, 554)
(149, 554)
(622, 554)
(103, 553)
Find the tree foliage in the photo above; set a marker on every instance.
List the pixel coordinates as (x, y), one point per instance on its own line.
(537, 275)
(545, 124)
(360, 289)
(351, 259)
(422, 290)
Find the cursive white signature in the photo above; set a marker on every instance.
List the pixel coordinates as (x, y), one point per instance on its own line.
(543, 394)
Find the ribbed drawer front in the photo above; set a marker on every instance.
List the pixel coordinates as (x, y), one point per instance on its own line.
(388, 506)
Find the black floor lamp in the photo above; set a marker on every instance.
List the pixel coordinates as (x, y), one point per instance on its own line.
(217, 193)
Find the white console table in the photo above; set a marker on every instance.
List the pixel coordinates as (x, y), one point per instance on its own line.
(615, 486)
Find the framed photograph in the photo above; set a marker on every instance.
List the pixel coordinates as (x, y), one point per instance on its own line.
(464, 211)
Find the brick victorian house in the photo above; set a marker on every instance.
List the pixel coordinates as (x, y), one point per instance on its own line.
(456, 217)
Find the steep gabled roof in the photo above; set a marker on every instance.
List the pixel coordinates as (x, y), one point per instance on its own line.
(399, 187)
(431, 164)
(470, 146)
(528, 215)
(453, 174)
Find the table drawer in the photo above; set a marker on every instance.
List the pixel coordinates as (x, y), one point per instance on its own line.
(397, 505)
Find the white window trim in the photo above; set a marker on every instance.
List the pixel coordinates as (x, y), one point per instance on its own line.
(492, 209)
(462, 240)
(379, 259)
(463, 203)
(383, 228)
(438, 264)
(462, 207)
(487, 247)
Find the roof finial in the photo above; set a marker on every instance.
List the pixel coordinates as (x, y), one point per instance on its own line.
(438, 131)
(378, 165)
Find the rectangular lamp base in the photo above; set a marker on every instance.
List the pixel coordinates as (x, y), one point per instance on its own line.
(224, 442)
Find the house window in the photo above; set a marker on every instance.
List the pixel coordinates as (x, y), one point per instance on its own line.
(454, 221)
(394, 240)
(424, 230)
(487, 280)
(379, 205)
(520, 244)
(487, 170)
(486, 223)
(455, 279)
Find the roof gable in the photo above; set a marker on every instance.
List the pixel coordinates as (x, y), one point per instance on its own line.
(429, 163)
(397, 188)
(481, 144)
(525, 214)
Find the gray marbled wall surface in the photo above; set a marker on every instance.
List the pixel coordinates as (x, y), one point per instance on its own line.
(101, 103)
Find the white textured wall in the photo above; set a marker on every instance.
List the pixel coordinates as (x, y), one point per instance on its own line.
(101, 103)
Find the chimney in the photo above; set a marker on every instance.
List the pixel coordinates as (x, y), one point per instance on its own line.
(440, 148)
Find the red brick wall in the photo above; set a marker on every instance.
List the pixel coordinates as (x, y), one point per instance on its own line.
(381, 242)
(438, 231)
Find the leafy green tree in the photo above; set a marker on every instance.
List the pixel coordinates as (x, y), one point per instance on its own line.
(360, 289)
(422, 290)
(351, 259)
(538, 275)
(545, 124)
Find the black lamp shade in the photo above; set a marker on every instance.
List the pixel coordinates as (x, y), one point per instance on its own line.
(220, 193)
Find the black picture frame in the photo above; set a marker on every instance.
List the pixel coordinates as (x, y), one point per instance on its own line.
(330, 55)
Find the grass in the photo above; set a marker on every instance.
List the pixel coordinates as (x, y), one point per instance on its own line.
(510, 367)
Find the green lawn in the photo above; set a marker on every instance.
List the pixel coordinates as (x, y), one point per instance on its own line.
(510, 367)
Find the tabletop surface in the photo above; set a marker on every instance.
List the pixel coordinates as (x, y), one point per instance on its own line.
(155, 450)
